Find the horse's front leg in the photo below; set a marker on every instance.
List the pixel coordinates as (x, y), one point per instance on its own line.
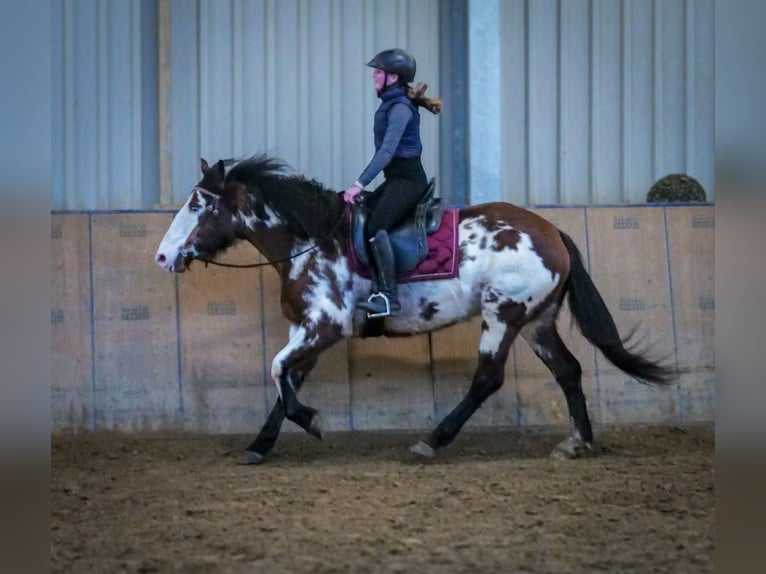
(288, 370)
(257, 450)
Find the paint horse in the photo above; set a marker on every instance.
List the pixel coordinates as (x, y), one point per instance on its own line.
(515, 269)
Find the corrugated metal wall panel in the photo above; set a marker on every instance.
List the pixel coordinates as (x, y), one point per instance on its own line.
(599, 98)
(288, 78)
(105, 120)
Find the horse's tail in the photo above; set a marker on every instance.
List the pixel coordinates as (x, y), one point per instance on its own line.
(597, 324)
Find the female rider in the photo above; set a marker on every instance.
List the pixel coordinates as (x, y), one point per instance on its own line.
(397, 153)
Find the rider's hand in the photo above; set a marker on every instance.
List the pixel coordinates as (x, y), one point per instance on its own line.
(349, 196)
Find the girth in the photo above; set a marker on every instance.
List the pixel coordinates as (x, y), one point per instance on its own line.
(408, 238)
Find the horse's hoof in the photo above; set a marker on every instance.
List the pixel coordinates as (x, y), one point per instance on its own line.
(423, 449)
(251, 457)
(571, 448)
(315, 428)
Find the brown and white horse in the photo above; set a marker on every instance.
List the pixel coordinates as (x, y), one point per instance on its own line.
(515, 268)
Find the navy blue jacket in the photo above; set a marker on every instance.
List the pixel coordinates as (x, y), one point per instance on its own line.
(410, 144)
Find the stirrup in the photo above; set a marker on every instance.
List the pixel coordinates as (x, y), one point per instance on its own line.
(385, 313)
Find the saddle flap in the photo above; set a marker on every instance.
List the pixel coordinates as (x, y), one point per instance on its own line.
(409, 238)
(433, 208)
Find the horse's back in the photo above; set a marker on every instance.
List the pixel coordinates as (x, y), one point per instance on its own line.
(513, 215)
(544, 235)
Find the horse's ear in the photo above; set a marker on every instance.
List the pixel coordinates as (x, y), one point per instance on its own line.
(204, 165)
(220, 168)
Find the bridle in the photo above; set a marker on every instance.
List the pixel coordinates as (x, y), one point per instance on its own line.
(215, 196)
(214, 209)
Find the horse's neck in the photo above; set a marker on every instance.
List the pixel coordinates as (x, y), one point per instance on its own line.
(279, 246)
(274, 244)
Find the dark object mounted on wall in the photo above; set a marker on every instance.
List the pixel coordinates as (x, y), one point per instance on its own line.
(676, 188)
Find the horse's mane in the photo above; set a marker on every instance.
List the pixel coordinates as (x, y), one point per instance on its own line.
(310, 210)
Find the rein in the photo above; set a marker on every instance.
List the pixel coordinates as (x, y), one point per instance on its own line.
(214, 209)
(251, 265)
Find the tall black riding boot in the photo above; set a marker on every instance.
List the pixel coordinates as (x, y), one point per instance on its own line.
(385, 302)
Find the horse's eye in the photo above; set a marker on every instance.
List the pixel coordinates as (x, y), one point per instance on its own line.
(194, 208)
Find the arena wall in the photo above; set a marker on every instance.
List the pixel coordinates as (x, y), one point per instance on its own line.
(135, 348)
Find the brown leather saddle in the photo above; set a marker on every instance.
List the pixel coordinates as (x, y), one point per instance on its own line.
(409, 238)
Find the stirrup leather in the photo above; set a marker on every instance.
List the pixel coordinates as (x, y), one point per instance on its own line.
(385, 313)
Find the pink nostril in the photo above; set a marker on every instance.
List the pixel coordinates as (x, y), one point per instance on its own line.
(160, 258)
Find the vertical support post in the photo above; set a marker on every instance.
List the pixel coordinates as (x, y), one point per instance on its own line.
(454, 186)
(166, 141)
(484, 61)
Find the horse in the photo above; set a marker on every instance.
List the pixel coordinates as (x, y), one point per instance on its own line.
(515, 269)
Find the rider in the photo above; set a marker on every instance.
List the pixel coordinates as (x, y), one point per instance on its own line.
(397, 153)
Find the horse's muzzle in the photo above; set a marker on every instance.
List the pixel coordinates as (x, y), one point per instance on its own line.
(181, 263)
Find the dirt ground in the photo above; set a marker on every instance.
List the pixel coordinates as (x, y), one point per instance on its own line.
(358, 502)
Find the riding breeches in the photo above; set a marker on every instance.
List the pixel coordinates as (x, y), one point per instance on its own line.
(397, 196)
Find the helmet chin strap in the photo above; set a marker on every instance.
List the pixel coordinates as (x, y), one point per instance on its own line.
(386, 85)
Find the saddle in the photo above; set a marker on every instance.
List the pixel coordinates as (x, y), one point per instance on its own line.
(409, 239)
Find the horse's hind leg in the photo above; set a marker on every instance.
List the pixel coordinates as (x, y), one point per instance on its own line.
(499, 328)
(545, 341)
(257, 450)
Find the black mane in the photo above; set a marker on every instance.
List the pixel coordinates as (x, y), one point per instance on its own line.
(310, 210)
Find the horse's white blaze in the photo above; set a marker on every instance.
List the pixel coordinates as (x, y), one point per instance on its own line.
(182, 226)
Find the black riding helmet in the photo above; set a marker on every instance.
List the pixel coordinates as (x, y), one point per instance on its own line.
(395, 61)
